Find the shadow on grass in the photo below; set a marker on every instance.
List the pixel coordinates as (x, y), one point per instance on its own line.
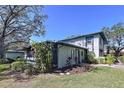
(4, 76)
(17, 76)
(101, 69)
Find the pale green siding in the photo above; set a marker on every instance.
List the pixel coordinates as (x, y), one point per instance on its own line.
(66, 51)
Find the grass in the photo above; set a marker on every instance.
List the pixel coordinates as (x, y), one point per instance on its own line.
(102, 77)
(4, 67)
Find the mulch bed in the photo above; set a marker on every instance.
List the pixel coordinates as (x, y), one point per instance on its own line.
(75, 69)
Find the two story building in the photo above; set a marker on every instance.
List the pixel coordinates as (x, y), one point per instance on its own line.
(95, 42)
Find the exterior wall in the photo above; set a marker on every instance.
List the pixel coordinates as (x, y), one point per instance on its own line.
(82, 42)
(96, 45)
(64, 52)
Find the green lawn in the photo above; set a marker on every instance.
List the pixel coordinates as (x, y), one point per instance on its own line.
(100, 77)
(4, 67)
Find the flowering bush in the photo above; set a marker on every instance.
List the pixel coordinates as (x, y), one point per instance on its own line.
(68, 61)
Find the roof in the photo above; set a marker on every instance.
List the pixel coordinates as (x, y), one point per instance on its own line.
(67, 44)
(100, 33)
(71, 45)
(14, 51)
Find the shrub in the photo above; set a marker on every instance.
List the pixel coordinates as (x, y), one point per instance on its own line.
(23, 66)
(21, 59)
(101, 60)
(91, 58)
(1, 61)
(121, 58)
(110, 59)
(6, 60)
(43, 55)
(18, 66)
(29, 69)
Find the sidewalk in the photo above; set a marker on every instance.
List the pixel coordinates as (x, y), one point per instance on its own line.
(120, 66)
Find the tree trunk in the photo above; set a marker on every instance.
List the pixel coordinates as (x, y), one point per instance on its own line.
(108, 50)
(2, 49)
(117, 54)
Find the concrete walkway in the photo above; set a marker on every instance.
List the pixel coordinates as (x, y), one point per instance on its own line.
(119, 66)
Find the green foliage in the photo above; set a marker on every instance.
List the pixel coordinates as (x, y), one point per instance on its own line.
(6, 61)
(115, 37)
(21, 59)
(23, 66)
(18, 66)
(101, 60)
(110, 59)
(1, 61)
(25, 21)
(121, 58)
(43, 55)
(4, 67)
(91, 58)
(30, 69)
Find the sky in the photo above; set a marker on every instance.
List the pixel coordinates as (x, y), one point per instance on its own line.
(64, 21)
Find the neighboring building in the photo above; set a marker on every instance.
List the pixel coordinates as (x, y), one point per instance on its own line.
(95, 42)
(25, 52)
(13, 54)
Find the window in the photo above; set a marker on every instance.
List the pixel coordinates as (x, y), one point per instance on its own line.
(90, 43)
(82, 54)
(72, 53)
(89, 40)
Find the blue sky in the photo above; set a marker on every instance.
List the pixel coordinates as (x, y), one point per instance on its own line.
(64, 21)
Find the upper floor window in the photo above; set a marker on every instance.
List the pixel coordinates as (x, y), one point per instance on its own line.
(89, 40)
(101, 41)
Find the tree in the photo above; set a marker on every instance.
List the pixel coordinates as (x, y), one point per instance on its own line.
(18, 23)
(115, 37)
